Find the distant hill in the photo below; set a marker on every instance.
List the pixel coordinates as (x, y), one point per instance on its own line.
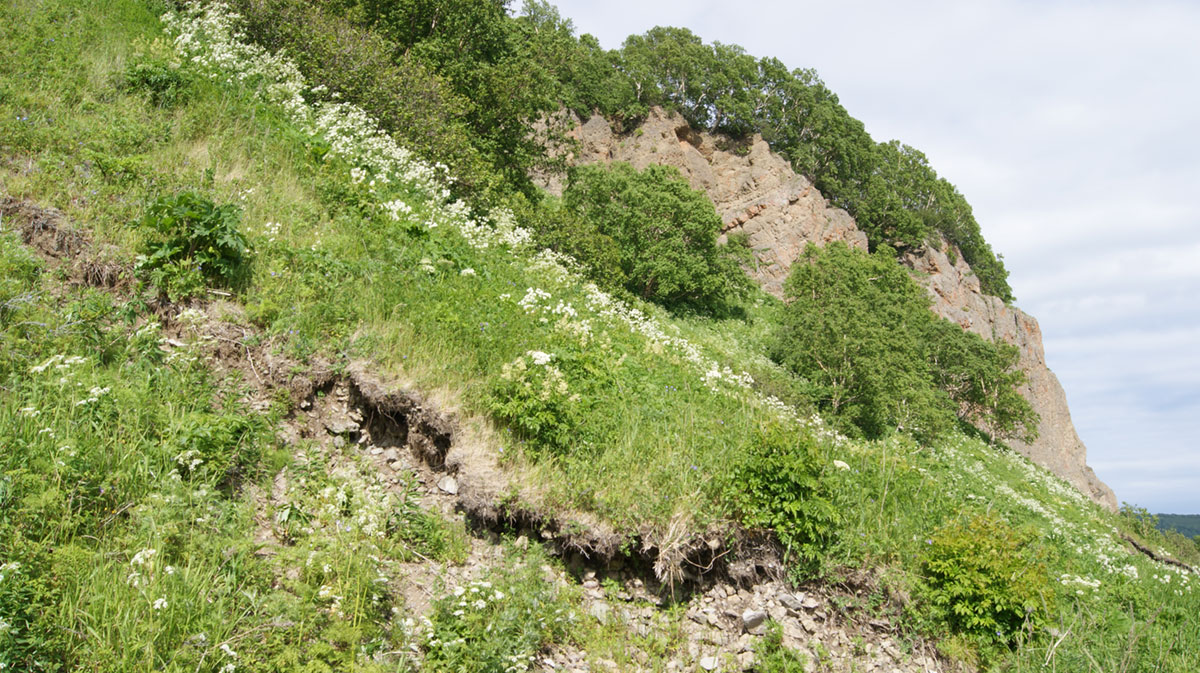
(1187, 524)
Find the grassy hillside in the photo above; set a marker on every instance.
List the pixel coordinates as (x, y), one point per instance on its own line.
(135, 467)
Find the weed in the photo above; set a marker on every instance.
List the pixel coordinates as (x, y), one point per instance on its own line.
(196, 240)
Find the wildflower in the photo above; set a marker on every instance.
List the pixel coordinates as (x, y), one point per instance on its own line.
(467, 272)
(160, 604)
(228, 651)
(540, 358)
(143, 557)
(840, 465)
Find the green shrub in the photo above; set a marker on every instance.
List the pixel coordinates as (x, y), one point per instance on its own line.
(987, 580)
(163, 82)
(533, 397)
(195, 239)
(859, 329)
(665, 234)
(497, 624)
(781, 486)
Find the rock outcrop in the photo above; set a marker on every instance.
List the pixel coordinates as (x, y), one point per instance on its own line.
(958, 298)
(756, 192)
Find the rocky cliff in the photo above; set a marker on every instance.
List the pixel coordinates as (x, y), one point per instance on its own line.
(756, 192)
(957, 298)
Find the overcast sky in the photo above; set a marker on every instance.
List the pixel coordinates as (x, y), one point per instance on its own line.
(1073, 129)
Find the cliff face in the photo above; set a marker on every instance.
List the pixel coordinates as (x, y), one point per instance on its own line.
(957, 298)
(756, 192)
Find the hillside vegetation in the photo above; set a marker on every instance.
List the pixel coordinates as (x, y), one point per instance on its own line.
(156, 514)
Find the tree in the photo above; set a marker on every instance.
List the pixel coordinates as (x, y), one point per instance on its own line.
(851, 328)
(860, 331)
(665, 233)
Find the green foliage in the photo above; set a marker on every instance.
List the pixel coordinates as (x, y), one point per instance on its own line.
(477, 49)
(533, 397)
(772, 657)
(195, 239)
(987, 580)
(499, 623)
(367, 68)
(781, 486)
(163, 82)
(1185, 524)
(859, 330)
(665, 234)
(852, 328)
(18, 269)
(566, 231)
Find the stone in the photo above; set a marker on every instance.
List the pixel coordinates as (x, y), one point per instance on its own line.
(810, 603)
(341, 426)
(709, 663)
(599, 610)
(448, 484)
(754, 621)
(789, 601)
(390, 454)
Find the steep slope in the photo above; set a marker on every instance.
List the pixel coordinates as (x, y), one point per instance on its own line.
(757, 193)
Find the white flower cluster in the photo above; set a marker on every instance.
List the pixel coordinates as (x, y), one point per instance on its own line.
(9, 568)
(1068, 579)
(395, 208)
(143, 568)
(58, 362)
(189, 460)
(94, 395)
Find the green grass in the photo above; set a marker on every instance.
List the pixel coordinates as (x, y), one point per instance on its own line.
(332, 274)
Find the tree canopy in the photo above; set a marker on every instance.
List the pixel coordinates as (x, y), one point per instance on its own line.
(663, 233)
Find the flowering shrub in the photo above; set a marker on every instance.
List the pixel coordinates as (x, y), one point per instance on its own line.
(497, 625)
(533, 397)
(987, 579)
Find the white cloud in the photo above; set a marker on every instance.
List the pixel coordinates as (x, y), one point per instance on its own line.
(1072, 128)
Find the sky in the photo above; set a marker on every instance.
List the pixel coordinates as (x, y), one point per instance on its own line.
(1073, 129)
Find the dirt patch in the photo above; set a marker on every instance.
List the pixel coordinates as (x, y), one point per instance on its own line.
(46, 231)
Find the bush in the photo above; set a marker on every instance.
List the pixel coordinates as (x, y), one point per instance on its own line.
(497, 624)
(196, 239)
(665, 234)
(859, 329)
(533, 397)
(987, 580)
(781, 486)
(164, 82)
